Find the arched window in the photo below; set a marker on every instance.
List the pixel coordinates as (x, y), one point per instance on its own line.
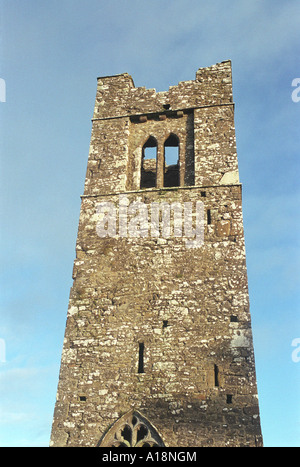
(148, 170)
(171, 163)
(132, 430)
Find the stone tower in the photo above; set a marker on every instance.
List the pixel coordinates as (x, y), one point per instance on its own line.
(158, 345)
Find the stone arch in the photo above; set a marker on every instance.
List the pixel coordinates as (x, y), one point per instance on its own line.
(171, 164)
(132, 430)
(149, 165)
(150, 142)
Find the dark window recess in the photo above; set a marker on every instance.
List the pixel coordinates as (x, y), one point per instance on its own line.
(82, 398)
(216, 371)
(208, 217)
(127, 434)
(141, 358)
(203, 194)
(229, 398)
(171, 169)
(233, 319)
(165, 324)
(149, 155)
(142, 433)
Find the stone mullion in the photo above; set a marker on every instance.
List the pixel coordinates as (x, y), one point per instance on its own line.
(160, 166)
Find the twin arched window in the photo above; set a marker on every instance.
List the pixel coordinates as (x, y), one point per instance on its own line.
(149, 170)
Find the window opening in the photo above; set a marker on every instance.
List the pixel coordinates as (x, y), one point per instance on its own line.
(208, 217)
(126, 433)
(141, 357)
(148, 170)
(149, 153)
(142, 432)
(233, 319)
(171, 165)
(131, 430)
(229, 398)
(216, 370)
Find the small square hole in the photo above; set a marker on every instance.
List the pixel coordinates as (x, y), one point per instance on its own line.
(233, 319)
(229, 398)
(82, 398)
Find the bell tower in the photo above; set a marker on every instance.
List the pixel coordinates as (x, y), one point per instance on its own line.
(158, 346)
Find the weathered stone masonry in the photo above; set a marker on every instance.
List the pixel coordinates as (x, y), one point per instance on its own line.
(158, 345)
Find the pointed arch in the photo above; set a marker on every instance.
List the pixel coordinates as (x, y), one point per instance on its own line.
(149, 163)
(171, 161)
(132, 430)
(172, 140)
(151, 142)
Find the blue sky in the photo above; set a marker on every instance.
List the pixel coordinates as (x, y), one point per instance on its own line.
(51, 54)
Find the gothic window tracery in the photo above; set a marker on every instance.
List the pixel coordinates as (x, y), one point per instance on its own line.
(132, 430)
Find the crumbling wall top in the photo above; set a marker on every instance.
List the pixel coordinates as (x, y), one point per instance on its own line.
(117, 95)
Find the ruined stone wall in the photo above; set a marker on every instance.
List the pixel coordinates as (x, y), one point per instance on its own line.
(200, 112)
(188, 307)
